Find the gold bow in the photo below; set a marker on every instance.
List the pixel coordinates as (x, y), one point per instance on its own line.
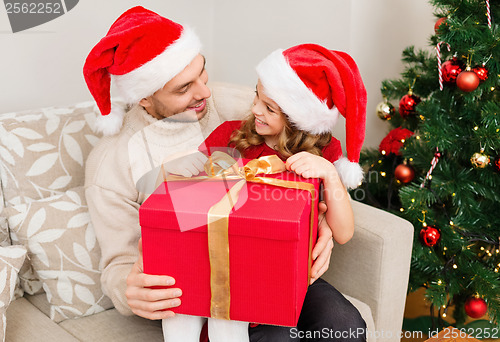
(221, 166)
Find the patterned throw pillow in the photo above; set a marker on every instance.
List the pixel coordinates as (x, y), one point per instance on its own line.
(4, 232)
(42, 152)
(63, 252)
(11, 259)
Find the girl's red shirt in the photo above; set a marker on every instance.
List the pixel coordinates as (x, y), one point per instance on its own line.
(221, 136)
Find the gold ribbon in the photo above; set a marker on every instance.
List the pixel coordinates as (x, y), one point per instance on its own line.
(221, 166)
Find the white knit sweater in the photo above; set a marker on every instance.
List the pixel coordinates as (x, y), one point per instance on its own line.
(118, 162)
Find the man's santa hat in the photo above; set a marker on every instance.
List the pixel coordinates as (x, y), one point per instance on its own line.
(141, 52)
(312, 85)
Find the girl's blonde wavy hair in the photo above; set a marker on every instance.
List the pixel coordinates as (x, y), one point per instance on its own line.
(290, 141)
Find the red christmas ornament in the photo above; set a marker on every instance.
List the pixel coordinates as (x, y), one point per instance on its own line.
(393, 141)
(481, 72)
(451, 69)
(438, 23)
(496, 164)
(430, 236)
(467, 81)
(407, 104)
(404, 173)
(475, 307)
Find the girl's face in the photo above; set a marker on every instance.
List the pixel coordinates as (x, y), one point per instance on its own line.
(269, 119)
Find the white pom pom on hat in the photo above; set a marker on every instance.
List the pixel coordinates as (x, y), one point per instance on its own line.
(141, 52)
(312, 85)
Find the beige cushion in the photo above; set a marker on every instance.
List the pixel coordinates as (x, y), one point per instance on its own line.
(40, 302)
(43, 151)
(27, 323)
(115, 326)
(11, 259)
(110, 325)
(63, 252)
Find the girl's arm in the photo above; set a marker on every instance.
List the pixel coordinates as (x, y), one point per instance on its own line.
(339, 215)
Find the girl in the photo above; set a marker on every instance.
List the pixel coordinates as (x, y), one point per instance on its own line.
(299, 95)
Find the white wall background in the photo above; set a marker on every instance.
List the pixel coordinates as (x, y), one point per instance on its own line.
(42, 66)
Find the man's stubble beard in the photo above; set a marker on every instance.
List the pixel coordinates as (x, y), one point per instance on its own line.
(186, 116)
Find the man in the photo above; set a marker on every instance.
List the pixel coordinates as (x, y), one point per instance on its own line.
(156, 66)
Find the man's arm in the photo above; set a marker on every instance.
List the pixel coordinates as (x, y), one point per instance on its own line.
(116, 222)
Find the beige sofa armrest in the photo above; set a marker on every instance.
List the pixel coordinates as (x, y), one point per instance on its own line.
(374, 267)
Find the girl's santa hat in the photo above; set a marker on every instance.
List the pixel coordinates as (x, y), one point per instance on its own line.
(312, 85)
(141, 52)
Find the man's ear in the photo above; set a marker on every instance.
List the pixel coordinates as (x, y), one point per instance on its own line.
(145, 102)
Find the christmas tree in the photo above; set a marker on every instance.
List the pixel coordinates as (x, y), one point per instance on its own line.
(439, 166)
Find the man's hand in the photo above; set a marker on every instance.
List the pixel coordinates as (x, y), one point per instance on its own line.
(187, 166)
(322, 251)
(146, 301)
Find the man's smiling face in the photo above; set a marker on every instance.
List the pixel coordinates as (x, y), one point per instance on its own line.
(186, 92)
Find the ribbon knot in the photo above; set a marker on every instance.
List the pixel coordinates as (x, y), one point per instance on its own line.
(221, 164)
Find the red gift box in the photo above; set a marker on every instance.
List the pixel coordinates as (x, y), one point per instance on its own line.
(269, 246)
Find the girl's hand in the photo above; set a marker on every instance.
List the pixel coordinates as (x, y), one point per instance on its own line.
(309, 165)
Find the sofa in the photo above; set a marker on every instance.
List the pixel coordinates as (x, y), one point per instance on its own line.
(49, 256)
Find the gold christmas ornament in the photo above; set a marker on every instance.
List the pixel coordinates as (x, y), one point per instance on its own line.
(385, 110)
(480, 160)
